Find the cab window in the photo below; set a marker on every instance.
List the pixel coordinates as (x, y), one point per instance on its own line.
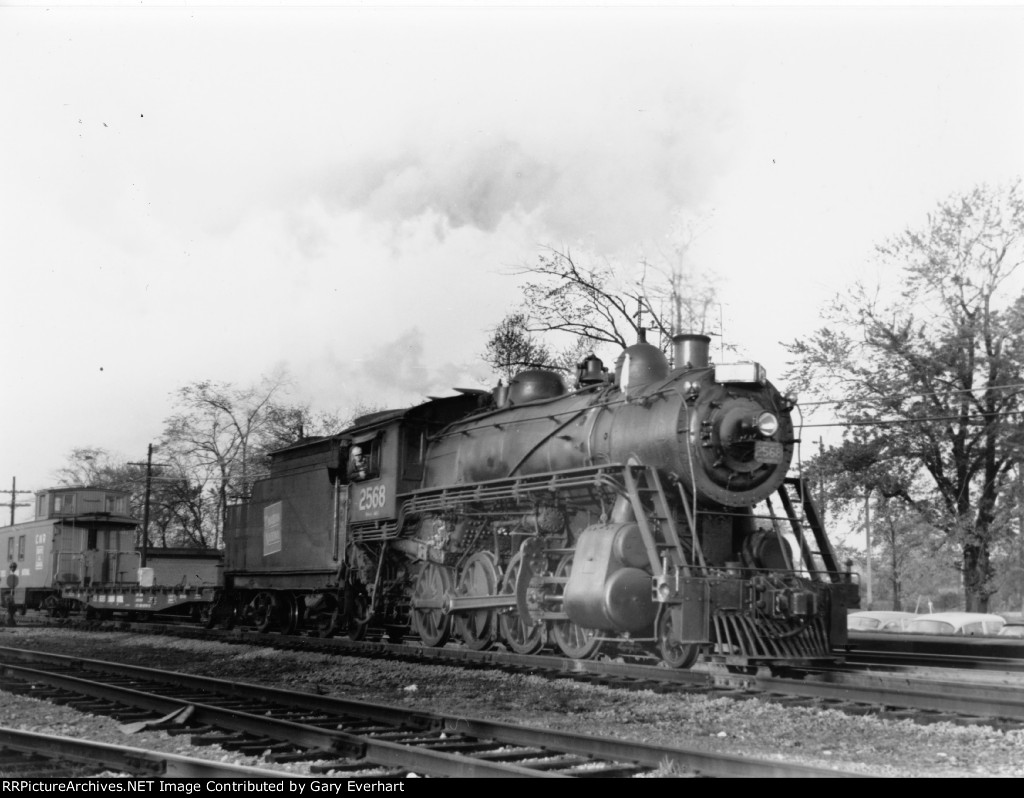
(364, 459)
(413, 453)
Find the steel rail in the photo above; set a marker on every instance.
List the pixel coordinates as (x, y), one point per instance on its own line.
(986, 700)
(126, 759)
(328, 741)
(552, 744)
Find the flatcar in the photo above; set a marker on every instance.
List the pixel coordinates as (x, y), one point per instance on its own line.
(649, 510)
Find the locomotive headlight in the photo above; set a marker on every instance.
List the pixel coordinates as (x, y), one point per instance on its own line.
(767, 424)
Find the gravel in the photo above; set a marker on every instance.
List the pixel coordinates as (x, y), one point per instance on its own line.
(819, 737)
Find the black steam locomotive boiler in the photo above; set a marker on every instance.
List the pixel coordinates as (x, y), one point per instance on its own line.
(648, 511)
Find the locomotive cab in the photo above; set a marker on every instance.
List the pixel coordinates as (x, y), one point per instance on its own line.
(380, 465)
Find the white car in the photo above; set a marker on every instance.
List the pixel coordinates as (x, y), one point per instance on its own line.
(878, 621)
(956, 623)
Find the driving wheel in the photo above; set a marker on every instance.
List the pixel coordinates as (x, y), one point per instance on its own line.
(520, 635)
(572, 639)
(479, 577)
(429, 618)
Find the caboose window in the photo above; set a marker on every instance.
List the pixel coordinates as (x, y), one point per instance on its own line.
(10, 548)
(21, 546)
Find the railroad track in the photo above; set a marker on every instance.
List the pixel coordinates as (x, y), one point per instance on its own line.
(936, 651)
(876, 687)
(895, 692)
(26, 755)
(342, 738)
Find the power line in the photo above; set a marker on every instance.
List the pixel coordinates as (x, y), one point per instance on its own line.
(924, 394)
(14, 497)
(894, 422)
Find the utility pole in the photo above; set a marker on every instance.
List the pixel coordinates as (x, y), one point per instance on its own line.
(821, 482)
(867, 539)
(1020, 528)
(14, 497)
(145, 505)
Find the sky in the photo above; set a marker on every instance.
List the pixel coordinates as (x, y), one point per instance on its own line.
(195, 192)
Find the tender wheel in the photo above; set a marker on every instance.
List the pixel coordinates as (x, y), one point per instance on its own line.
(431, 622)
(673, 653)
(292, 608)
(572, 639)
(266, 611)
(520, 637)
(479, 577)
(208, 615)
(54, 607)
(326, 617)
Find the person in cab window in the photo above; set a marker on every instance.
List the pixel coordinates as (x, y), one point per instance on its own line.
(360, 464)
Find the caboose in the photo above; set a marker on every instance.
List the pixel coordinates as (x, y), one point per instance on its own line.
(79, 554)
(79, 536)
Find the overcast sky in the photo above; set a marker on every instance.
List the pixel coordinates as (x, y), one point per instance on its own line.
(193, 192)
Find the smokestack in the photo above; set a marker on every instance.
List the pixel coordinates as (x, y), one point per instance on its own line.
(691, 350)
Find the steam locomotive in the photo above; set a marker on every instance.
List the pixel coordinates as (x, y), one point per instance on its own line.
(648, 511)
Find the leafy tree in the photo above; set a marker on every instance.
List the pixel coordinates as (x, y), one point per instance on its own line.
(859, 480)
(933, 374)
(512, 347)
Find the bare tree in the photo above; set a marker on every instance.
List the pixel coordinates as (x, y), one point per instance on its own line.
(219, 429)
(603, 303)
